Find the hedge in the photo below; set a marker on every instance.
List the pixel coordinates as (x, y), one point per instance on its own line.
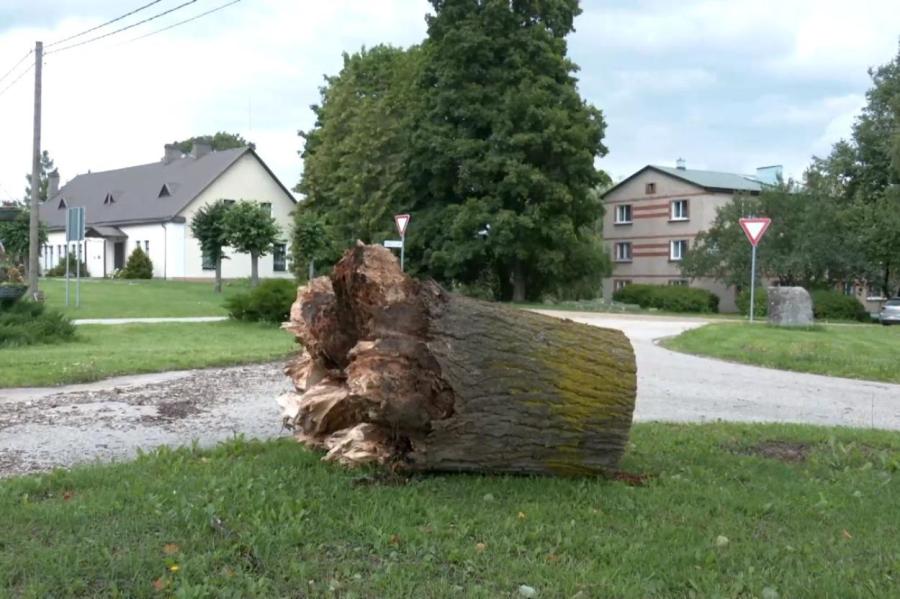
(671, 298)
(270, 301)
(833, 305)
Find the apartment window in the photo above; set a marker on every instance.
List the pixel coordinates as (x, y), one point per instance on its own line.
(650, 188)
(208, 262)
(623, 214)
(623, 251)
(678, 282)
(267, 206)
(679, 210)
(677, 249)
(279, 257)
(620, 284)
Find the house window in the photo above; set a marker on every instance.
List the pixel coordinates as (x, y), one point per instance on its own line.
(228, 202)
(650, 188)
(677, 249)
(267, 206)
(623, 251)
(62, 204)
(147, 246)
(279, 257)
(623, 214)
(208, 262)
(620, 284)
(164, 192)
(678, 282)
(108, 199)
(679, 210)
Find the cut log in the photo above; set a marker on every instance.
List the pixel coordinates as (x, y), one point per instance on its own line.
(399, 372)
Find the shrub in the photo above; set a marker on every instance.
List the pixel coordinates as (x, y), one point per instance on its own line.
(60, 269)
(29, 323)
(139, 266)
(761, 299)
(833, 305)
(269, 302)
(670, 298)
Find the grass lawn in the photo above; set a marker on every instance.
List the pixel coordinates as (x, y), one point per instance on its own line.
(251, 519)
(120, 298)
(861, 352)
(108, 350)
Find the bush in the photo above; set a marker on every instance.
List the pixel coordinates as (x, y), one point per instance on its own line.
(60, 269)
(761, 299)
(29, 323)
(139, 266)
(833, 305)
(670, 298)
(269, 302)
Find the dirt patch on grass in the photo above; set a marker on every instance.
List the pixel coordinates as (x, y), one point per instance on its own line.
(784, 451)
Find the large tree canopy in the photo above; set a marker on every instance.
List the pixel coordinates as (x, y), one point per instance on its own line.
(46, 168)
(481, 134)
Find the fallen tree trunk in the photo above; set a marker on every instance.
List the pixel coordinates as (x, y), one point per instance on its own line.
(399, 372)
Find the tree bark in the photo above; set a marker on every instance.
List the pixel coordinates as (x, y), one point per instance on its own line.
(399, 372)
(254, 269)
(218, 286)
(518, 280)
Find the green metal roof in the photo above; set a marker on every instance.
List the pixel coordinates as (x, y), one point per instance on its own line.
(713, 179)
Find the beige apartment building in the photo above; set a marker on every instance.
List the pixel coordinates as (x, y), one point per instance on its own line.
(653, 217)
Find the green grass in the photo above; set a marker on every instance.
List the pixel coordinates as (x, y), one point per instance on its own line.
(102, 351)
(861, 352)
(120, 298)
(252, 519)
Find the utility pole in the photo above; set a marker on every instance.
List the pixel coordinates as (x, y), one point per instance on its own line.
(33, 249)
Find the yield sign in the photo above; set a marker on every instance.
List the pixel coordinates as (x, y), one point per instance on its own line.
(402, 220)
(755, 228)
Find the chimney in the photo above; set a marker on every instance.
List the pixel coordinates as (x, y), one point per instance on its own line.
(199, 149)
(171, 153)
(52, 184)
(770, 175)
(680, 164)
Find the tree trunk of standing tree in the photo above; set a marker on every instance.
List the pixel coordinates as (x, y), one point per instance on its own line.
(254, 269)
(399, 372)
(518, 280)
(218, 287)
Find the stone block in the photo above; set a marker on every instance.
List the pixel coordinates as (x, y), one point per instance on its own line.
(790, 307)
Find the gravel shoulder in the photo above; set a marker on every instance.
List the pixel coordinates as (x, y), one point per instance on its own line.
(110, 420)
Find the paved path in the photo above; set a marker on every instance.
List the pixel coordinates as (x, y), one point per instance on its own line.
(112, 419)
(680, 387)
(148, 320)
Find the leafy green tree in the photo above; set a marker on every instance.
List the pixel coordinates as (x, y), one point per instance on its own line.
(46, 168)
(219, 141)
(355, 158)
(250, 229)
(507, 141)
(138, 266)
(14, 236)
(309, 243)
(208, 227)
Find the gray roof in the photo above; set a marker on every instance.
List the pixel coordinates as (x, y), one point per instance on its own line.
(710, 180)
(136, 190)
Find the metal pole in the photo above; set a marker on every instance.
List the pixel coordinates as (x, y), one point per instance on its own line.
(67, 265)
(402, 248)
(312, 270)
(752, 282)
(78, 278)
(35, 175)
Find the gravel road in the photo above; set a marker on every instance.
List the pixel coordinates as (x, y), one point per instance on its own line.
(110, 420)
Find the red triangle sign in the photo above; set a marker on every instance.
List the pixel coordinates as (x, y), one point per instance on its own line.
(402, 220)
(755, 228)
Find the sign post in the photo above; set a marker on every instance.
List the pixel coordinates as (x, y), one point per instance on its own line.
(74, 232)
(401, 220)
(754, 229)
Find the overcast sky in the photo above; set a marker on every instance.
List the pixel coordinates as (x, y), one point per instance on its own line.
(728, 85)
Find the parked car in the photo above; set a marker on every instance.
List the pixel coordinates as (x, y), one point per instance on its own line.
(890, 312)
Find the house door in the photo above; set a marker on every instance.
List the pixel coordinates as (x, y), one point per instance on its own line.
(119, 255)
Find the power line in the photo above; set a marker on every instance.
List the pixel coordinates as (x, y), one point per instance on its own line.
(86, 31)
(15, 66)
(16, 80)
(203, 14)
(100, 37)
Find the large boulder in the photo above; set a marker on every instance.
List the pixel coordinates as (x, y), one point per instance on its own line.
(790, 307)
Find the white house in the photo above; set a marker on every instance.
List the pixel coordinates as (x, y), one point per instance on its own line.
(151, 206)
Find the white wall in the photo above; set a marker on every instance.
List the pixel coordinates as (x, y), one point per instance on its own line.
(92, 253)
(152, 239)
(247, 179)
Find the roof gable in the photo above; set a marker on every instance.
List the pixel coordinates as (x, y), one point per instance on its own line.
(707, 180)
